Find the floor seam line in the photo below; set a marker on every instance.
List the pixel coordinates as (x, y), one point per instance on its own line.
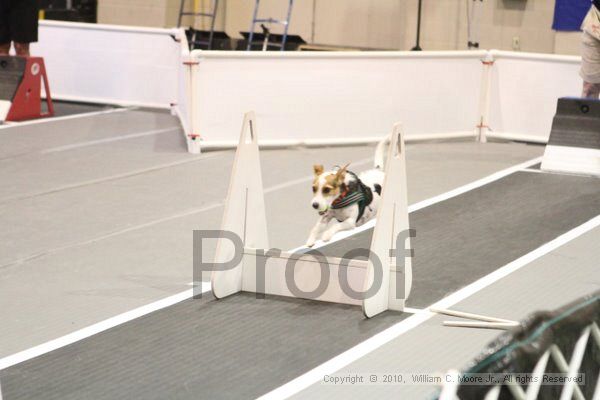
(58, 149)
(111, 178)
(90, 143)
(41, 121)
(155, 222)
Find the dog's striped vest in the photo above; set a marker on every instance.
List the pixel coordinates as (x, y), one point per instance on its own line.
(360, 194)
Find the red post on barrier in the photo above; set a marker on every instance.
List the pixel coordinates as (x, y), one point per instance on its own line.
(27, 98)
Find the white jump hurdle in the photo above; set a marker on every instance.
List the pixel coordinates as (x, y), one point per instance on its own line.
(358, 282)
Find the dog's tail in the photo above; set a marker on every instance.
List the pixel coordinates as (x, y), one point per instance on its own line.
(380, 152)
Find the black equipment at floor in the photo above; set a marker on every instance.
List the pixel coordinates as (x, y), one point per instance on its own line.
(293, 42)
(576, 124)
(212, 15)
(70, 10)
(418, 44)
(200, 39)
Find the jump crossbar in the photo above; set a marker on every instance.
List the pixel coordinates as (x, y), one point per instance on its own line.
(309, 276)
(378, 284)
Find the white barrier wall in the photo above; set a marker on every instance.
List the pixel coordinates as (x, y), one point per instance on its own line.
(524, 90)
(110, 64)
(316, 97)
(308, 97)
(319, 96)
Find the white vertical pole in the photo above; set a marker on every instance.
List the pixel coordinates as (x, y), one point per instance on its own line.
(538, 371)
(193, 138)
(575, 364)
(244, 212)
(516, 390)
(473, 17)
(392, 220)
(484, 97)
(561, 363)
(596, 337)
(450, 389)
(493, 393)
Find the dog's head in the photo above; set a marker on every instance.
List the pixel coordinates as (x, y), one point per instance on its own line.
(327, 186)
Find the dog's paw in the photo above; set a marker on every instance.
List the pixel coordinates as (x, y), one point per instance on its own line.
(327, 236)
(310, 243)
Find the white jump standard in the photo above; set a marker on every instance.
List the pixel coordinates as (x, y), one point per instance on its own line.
(379, 284)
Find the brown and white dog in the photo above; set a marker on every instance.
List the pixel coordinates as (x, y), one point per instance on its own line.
(345, 200)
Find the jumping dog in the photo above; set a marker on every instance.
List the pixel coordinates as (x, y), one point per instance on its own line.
(345, 200)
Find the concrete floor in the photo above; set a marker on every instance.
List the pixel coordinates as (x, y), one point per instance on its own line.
(99, 214)
(196, 348)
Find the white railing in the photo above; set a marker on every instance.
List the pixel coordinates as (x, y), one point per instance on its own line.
(569, 390)
(308, 98)
(313, 98)
(335, 97)
(523, 93)
(111, 64)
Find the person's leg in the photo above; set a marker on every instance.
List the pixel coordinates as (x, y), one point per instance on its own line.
(4, 28)
(22, 49)
(591, 90)
(24, 24)
(4, 49)
(590, 66)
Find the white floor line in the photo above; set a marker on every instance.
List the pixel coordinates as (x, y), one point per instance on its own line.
(63, 118)
(391, 333)
(110, 139)
(191, 159)
(91, 330)
(433, 200)
(412, 310)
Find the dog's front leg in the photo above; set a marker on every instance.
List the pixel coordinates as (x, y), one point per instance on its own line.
(345, 225)
(317, 230)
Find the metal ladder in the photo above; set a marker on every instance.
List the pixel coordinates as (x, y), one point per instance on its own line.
(212, 15)
(285, 23)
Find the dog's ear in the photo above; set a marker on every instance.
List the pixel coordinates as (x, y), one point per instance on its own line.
(340, 175)
(318, 168)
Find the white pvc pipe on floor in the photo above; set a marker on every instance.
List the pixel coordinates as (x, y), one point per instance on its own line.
(468, 315)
